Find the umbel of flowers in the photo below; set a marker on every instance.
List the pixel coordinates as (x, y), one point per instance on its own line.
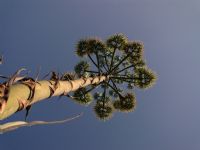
(122, 62)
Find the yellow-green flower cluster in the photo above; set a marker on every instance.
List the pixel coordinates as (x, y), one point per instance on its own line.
(82, 97)
(126, 103)
(144, 78)
(90, 46)
(103, 109)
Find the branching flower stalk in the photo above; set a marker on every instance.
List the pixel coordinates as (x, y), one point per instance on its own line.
(111, 63)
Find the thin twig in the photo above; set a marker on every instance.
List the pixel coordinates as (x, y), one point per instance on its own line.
(125, 69)
(120, 63)
(113, 54)
(113, 88)
(98, 67)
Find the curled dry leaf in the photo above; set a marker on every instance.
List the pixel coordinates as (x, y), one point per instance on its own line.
(17, 124)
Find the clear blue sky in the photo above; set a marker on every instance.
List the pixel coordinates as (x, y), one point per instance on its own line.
(44, 33)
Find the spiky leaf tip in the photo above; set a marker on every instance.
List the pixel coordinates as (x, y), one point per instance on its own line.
(96, 45)
(144, 78)
(81, 97)
(126, 103)
(116, 41)
(81, 69)
(103, 109)
(82, 48)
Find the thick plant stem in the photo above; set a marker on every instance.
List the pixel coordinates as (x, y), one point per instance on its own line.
(19, 93)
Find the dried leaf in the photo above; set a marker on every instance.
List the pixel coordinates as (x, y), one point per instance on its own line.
(17, 124)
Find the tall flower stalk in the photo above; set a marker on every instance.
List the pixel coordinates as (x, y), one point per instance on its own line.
(107, 74)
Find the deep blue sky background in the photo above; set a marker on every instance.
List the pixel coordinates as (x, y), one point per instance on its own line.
(44, 33)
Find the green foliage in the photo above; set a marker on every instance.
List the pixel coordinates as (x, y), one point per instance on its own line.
(144, 78)
(96, 45)
(82, 48)
(126, 103)
(103, 109)
(81, 68)
(138, 63)
(90, 46)
(82, 97)
(135, 49)
(116, 41)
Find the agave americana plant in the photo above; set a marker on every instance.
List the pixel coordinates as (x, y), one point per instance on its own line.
(106, 76)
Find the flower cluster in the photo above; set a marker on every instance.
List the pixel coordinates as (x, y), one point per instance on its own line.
(122, 62)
